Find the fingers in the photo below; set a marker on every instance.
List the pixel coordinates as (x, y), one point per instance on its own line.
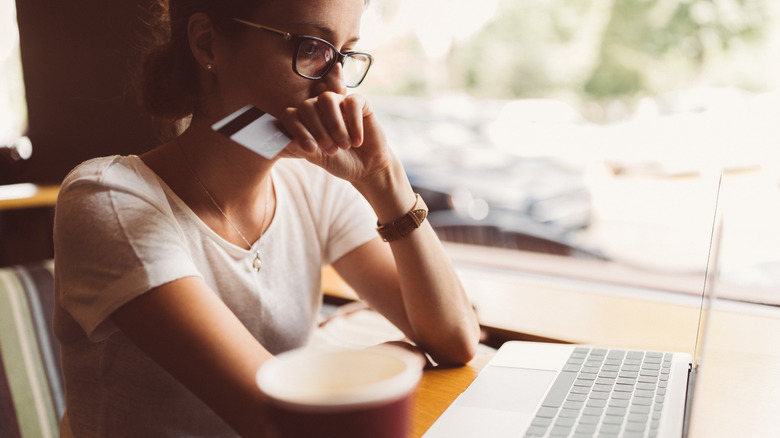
(328, 122)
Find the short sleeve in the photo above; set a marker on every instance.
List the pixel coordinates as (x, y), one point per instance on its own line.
(115, 238)
(349, 219)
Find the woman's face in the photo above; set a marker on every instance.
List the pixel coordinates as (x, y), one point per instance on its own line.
(257, 67)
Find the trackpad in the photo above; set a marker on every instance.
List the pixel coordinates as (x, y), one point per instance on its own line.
(509, 389)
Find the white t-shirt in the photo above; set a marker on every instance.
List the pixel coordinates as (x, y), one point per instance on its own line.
(120, 231)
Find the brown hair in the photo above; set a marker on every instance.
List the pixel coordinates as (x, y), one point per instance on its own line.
(167, 78)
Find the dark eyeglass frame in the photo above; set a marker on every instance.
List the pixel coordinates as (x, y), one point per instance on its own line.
(298, 39)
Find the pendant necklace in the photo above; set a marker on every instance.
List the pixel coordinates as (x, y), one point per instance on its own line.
(257, 263)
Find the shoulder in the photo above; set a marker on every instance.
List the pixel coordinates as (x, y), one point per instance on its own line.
(127, 174)
(107, 170)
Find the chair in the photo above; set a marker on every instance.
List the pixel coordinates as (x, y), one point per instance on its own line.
(31, 385)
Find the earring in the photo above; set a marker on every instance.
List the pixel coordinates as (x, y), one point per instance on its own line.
(209, 67)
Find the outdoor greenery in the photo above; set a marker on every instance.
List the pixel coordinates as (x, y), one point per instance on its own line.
(592, 51)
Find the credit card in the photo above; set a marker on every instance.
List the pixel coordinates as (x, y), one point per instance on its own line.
(254, 129)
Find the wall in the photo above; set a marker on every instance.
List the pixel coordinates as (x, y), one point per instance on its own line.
(78, 57)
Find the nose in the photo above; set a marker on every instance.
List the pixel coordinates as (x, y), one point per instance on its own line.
(334, 80)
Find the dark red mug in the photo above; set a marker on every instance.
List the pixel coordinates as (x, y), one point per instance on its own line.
(345, 394)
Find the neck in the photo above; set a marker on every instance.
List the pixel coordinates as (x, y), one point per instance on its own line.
(235, 176)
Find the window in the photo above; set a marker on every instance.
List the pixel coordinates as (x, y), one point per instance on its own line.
(13, 109)
(591, 130)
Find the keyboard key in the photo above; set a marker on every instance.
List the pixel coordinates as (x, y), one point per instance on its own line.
(643, 393)
(635, 427)
(617, 403)
(598, 395)
(637, 418)
(616, 412)
(541, 422)
(545, 412)
(583, 382)
(577, 397)
(580, 389)
(610, 429)
(642, 401)
(570, 413)
(593, 412)
(637, 409)
(595, 403)
(647, 379)
(585, 429)
(559, 390)
(613, 419)
(573, 405)
(535, 431)
(560, 431)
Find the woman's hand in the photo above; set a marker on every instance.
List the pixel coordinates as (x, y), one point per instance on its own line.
(338, 133)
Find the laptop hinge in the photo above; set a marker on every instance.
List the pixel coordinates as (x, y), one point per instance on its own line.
(689, 399)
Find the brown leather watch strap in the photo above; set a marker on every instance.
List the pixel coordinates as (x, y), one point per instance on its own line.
(406, 223)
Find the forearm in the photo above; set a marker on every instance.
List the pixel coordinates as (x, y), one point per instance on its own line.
(439, 314)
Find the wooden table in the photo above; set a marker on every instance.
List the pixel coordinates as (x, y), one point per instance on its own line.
(27, 195)
(738, 392)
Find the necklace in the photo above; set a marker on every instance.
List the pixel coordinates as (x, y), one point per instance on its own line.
(257, 263)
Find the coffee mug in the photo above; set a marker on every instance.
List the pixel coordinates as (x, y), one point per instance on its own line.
(346, 394)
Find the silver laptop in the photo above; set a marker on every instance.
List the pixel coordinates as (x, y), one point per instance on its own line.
(533, 389)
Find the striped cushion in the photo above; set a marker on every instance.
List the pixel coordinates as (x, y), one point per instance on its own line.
(31, 388)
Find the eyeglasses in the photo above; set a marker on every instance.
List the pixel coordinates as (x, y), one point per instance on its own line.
(314, 57)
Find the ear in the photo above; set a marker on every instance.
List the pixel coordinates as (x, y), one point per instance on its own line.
(201, 33)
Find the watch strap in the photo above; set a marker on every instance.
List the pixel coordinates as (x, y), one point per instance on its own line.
(407, 223)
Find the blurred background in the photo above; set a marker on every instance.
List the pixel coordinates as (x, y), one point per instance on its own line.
(594, 131)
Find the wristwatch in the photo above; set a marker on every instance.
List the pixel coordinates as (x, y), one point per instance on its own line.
(405, 224)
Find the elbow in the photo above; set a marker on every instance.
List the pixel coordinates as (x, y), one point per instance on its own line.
(458, 348)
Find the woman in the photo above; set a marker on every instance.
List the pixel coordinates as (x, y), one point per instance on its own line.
(181, 271)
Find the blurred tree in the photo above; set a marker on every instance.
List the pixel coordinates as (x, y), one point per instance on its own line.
(607, 50)
(649, 47)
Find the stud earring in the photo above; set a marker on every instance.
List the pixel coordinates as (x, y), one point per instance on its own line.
(209, 67)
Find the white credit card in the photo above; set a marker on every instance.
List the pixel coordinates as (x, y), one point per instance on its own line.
(254, 129)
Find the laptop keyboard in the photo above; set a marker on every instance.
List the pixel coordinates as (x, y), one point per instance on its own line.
(605, 393)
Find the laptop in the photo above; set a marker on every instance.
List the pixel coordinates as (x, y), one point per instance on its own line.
(531, 389)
